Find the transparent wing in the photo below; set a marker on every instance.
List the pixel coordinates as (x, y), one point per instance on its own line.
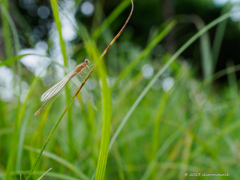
(84, 92)
(57, 87)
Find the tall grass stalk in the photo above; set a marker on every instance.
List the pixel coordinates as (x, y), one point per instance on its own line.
(205, 49)
(15, 137)
(156, 134)
(54, 5)
(106, 115)
(219, 37)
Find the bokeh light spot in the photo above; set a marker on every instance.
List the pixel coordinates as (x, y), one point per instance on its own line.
(87, 8)
(220, 2)
(236, 15)
(167, 83)
(43, 12)
(147, 71)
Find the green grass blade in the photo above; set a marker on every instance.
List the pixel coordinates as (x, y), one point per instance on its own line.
(205, 49)
(69, 104)
(62, 161)
(160, 151)
(6, 30)
(106, 127)
(16, 58)
(15, 137)
(106, 104)
(45, 173)
(159, 73)
(23, 129)
(232, 80)
(54, 5)
(111, 18)
(13, 29)
(145, 52)
(219, 37)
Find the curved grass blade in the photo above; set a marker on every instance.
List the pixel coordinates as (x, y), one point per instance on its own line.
(205, 48)
(44, 174)
(110, 19)
(145, 52)
(69, 104)
(11, 162)
(159, 73)
(62, 161)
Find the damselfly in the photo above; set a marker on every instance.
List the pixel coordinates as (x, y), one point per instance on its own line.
(50, 93)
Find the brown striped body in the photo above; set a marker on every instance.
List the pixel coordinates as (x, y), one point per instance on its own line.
(81, 66)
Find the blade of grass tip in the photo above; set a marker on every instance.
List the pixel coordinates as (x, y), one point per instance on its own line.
(111, 18)
(145, 52)
(69, 104)
(45, 173)
(205, 48)
(159, 73)
(60, 160)
(54, 5)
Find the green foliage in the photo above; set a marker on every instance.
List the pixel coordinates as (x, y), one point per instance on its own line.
(157, 133)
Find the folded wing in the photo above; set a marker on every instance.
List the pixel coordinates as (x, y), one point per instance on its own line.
(57, 87)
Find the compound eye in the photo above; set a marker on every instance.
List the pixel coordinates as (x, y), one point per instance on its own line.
(87, 61)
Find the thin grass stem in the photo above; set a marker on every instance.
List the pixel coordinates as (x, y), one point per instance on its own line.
(75, 95)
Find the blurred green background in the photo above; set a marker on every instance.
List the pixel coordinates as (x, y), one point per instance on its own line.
(162, 103)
